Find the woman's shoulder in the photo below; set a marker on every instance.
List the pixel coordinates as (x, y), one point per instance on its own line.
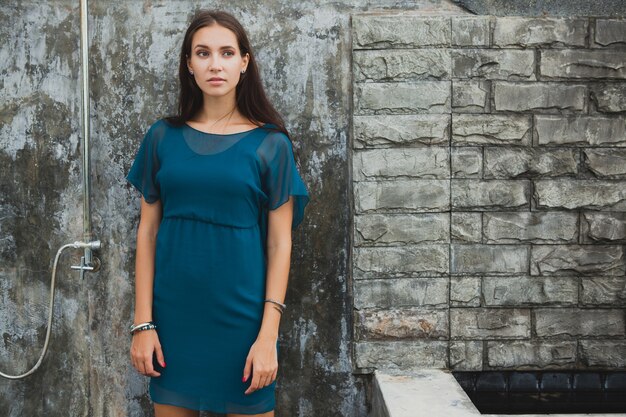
(269, 127)
(273, 131)
(157, 131)
(166, 124)
(272, 136)
(274, 142)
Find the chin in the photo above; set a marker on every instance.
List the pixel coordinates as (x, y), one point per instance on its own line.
(215, 93)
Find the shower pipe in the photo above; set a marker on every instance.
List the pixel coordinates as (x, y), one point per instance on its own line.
(88, 262)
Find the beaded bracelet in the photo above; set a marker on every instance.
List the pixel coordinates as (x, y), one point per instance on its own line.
(142, 326)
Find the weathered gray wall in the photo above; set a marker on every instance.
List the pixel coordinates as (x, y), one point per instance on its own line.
(489, 171)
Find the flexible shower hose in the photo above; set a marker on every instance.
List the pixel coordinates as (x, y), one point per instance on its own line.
(93, 245)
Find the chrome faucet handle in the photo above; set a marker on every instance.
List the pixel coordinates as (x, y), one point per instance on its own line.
(87, 262)
(83, 267)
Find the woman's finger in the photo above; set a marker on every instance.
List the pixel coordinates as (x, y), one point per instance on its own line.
(263, 380)
(159, 355)
(149, 367)
(254, 385)
(247, 369)
(135, 362)
(140, 367)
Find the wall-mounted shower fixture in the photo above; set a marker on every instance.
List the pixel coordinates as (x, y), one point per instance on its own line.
(90, 246)
(88, 262)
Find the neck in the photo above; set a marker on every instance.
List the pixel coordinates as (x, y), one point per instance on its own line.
(218, 109)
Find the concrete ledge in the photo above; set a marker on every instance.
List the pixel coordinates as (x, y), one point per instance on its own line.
(430, 393)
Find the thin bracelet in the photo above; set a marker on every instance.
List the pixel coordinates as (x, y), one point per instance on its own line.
(282, 306)
(278, 309)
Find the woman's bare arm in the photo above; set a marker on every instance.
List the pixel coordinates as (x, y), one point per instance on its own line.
(278, 264)
(145, 344)
(144, 261)
(263, 353)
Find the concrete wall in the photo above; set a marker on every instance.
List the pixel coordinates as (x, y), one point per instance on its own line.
(489, 174)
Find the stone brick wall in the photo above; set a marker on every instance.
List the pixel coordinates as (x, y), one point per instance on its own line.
(489, 181)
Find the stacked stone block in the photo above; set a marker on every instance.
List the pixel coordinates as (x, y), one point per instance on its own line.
(489, 180)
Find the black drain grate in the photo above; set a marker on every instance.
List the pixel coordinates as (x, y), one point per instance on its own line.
(519, 392)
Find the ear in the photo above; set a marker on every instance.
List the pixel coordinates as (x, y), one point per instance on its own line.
(245, 60)
(188, 62)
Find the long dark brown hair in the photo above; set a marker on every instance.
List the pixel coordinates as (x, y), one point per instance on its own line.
(251, 99)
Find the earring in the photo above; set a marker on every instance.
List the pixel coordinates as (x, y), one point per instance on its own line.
(243, 71)
(191, 72)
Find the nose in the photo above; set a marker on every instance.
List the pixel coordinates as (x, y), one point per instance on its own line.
(215, 63)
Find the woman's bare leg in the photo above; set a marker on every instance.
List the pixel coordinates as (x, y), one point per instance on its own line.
(268, 414)
(166, 410)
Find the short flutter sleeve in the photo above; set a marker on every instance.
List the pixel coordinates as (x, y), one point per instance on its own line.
(142, 174)
(280, 176)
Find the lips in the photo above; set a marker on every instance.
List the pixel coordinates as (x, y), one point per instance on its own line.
(216, 79)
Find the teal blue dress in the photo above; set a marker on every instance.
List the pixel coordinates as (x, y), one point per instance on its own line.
(210, 260)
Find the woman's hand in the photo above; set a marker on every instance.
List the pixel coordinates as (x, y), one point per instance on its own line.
(263, 359)
(143, 346)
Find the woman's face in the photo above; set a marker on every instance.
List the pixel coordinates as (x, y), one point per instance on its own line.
(215, 55)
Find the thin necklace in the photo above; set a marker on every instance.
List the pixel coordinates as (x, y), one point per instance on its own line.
(229, 114)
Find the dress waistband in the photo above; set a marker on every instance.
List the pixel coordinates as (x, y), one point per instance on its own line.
(209, 222)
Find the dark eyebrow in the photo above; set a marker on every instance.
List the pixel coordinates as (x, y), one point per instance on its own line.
(223, 47)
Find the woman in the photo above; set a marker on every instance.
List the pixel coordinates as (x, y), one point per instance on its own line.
(221, 194)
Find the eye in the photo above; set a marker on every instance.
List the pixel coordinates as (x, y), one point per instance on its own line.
(200, 53)
(230, 52)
